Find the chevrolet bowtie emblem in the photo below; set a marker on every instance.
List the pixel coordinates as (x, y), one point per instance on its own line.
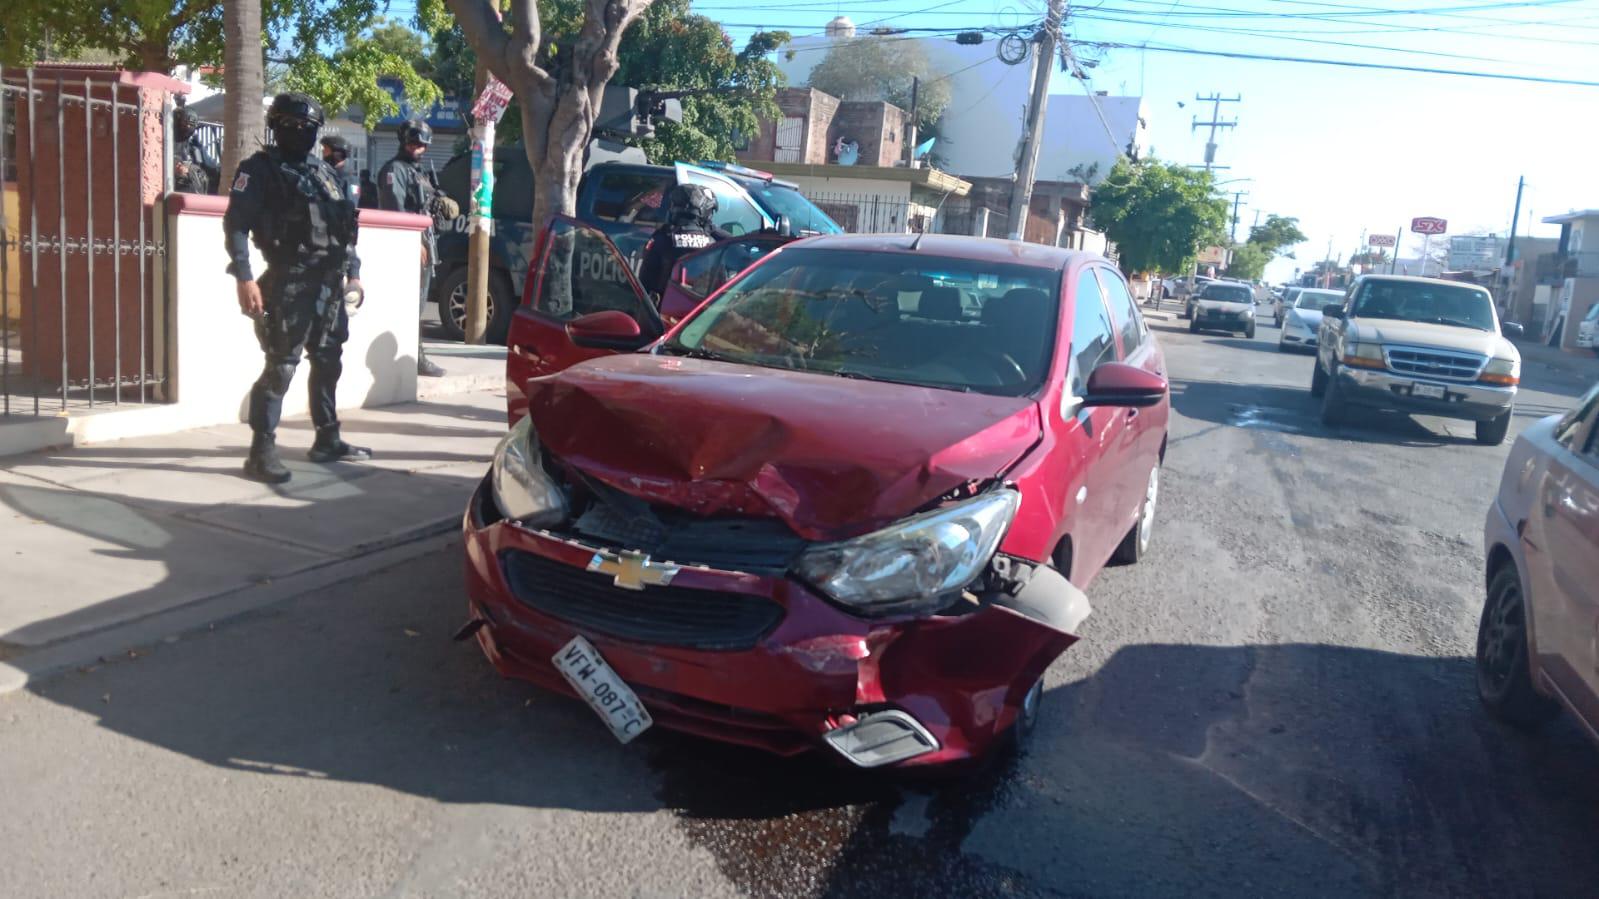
(633, 571)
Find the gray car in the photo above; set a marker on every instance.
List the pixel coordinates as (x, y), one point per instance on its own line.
(1301, 320)
(1418, 345)
(1224, 306)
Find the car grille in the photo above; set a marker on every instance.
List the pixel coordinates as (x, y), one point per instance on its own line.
(1431, 363)
(667, 616)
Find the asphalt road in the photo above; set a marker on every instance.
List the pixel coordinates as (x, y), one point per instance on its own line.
(1278, 701)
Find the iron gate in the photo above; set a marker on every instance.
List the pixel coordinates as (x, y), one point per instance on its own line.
(82, 164)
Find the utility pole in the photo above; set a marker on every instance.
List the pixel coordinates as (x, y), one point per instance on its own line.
(1515, 219)
(910, 143)
(1021, 196)
(1215, 101)
(1238, 196)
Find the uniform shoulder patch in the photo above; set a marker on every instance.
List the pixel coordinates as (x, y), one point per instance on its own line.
(241, 181)
(388, 178)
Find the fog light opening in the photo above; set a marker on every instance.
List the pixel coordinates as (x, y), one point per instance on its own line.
(881, 738)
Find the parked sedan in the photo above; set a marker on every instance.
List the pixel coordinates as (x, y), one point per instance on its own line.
(1224, 306)
(1282, 303)
(846, 504)
(1536, 647)
(1303, 319)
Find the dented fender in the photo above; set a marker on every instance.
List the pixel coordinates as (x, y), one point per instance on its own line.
(1048, 598)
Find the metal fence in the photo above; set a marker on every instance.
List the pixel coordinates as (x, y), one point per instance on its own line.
(83, 163)
(874, 213)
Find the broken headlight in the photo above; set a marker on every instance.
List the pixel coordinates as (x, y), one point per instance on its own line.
(522, 489)
(917, 564)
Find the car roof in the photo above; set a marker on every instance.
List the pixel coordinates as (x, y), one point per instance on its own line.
(1413, 279)
(978, 249)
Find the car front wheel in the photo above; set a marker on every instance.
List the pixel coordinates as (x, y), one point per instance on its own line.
(1318, 380)
(1492, 432)
(452, 306)
(1332, 402)
(1249, 332)
(1504, 676)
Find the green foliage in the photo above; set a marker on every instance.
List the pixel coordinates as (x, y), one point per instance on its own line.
(1276, 233)
(1158, 214)
(1249, 261)
(351, 76)
(876, 68)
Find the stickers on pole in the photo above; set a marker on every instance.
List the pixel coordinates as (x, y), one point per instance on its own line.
(492, 103)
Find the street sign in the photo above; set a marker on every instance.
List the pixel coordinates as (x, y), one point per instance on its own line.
(1380, 240)
(1428, 225)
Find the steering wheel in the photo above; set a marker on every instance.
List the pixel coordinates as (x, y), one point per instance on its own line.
(1009, 370)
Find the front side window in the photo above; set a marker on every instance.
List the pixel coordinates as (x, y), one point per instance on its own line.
(704, 272)
(1091, 333)
(583, 273)
(1123, 314)
(1421, 301)
(911, 318)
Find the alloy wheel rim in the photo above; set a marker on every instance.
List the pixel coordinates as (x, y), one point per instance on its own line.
(458, 306)
(1146, 522)
(1499, 643)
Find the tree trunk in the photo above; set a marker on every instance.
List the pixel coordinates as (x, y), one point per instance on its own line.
(244, 78)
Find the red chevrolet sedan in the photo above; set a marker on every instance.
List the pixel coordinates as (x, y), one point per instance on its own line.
(842, 504)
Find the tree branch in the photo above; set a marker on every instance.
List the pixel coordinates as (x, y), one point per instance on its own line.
(509, 56)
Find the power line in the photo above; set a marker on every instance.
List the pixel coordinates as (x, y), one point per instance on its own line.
(1348, 64)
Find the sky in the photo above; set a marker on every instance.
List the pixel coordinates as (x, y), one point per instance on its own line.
(1347, 151)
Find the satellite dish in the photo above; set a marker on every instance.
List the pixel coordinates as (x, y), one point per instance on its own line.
(840, 27)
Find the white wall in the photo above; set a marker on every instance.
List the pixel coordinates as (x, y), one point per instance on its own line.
(217, 357)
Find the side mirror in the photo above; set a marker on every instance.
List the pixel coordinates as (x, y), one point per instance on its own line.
(608, 330)
(1120, 384)
(1333, 310)
(1512, 329)
(785, 226)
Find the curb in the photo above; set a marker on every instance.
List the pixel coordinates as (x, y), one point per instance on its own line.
(105, 645)
(428, 389)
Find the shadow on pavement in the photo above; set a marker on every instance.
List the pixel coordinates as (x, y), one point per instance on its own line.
(1244, 343)
(1174, 770)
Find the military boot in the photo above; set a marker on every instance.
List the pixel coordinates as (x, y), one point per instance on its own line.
(263, 464)
(426, 367)
(329, 448)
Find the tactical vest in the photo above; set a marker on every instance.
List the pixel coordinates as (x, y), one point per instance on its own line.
(310, 218)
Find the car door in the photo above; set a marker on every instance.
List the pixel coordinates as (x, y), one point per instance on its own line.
(1566, 510)
(1091, 435)
(1138, 447)
(698, 275)
(576, 271)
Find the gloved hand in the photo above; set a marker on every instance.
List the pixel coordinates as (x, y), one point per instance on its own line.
(446, 207)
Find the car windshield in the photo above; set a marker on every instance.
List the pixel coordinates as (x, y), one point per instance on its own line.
(1422, 301)
(1317, 299)
(1227, 293)
(906, 318)
(779, 200)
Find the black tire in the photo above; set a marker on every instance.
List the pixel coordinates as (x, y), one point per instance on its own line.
(1492, 432)
(1318, 380)
(1282, 347)
(1135, 545)
(1249, 332)
(1504, 673)
(1332, 402)
(502, 306)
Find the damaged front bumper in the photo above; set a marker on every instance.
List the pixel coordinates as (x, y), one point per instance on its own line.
(760, 660)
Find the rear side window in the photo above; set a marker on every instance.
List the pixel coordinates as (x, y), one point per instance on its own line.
(1123, 314)
(632, 198)
(1091, 332)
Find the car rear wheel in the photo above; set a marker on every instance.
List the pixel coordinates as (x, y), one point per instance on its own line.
(1492, 432)
(1504, 676)
(1332, 402)
(1318, 380)
(452, 306)
(1136, 543)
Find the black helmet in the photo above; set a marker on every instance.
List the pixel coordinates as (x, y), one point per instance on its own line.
(337, 144)
(690, 204)
(183, 123)
(415, 131)
(294, 110)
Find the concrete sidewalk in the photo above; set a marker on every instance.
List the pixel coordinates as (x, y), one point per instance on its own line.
(102, 537)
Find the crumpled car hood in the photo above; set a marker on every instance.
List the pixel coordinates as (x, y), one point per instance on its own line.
(833, 457)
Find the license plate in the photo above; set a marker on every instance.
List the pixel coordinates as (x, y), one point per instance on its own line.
(616, 703)
(1428, 390)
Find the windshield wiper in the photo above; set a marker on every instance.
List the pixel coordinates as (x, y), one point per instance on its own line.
(936, 385)
(1458, 323)
(677, 349)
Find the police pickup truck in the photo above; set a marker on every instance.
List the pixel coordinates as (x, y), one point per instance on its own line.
(625, 200)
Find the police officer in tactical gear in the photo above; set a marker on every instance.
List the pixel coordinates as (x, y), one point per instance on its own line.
(304, 222)
(688, 228)
(195, 169)
(404, 187)
(336, 153)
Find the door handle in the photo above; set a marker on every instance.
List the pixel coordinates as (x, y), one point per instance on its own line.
(524, 353)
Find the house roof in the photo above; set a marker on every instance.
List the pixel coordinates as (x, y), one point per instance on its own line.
(1571, 216)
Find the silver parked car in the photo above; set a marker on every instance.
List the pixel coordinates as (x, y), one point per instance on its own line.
(1302, 320)
(1536, 647)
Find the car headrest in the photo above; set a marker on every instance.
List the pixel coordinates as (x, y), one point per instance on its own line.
(940, 303)
(1025, 305)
